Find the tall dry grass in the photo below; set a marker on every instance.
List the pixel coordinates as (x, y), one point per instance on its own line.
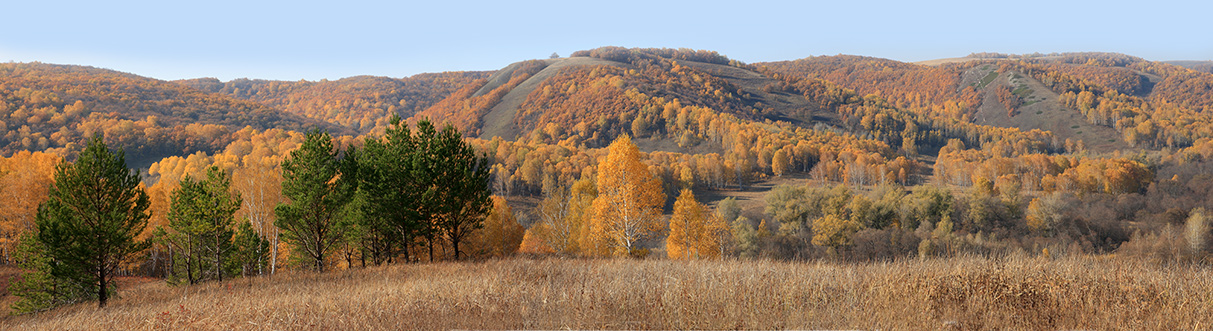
(965, 293)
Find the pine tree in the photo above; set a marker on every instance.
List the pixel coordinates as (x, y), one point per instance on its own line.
(318, 193)
(458, 192)
(89, 224)
(202, 221)
(387, 196)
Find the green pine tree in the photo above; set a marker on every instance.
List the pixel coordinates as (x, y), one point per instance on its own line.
(88, 225)
(251, 251)
(461, 186)
(202, 220)
(388, 194)
(312, 221)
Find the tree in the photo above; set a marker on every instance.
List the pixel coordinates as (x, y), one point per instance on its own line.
(455, 181)
(628, 206)
(746, 237)
(25, 179)
(1196, 230)
(317, 193)
(694, 233)
(251, 250)
(563, 214)
(202, 220)
(501, 235)
(780, 162)
(89, 223)
(1047, 213)
(833, 231)
(388, 195)
(532, 242)
(38, 287)
(260, 186)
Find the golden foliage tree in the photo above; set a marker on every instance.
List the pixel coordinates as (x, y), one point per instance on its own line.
(261, 186)
(563, 214)
(833, 231)
(628, 207)
(694, 233)
(532, 242)
(24, 182)
(501, 235)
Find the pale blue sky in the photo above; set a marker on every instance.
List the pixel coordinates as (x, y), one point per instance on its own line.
(291, 40)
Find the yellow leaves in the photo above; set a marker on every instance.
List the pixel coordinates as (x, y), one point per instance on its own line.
(628, 206)
(694, 233)
(25, 180)
(833, 231)
(501, 235)
(532, 242)
(1037, 218)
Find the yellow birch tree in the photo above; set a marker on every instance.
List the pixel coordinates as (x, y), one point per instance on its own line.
(628, 206)
(694, 233)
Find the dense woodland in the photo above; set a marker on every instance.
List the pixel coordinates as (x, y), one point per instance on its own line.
(657, 154)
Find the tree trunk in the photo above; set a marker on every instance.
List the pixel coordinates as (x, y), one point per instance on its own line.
(274, 254)
(218, 264)
(189, 262)
(102, 294)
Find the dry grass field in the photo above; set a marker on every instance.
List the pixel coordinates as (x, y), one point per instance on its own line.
(957, 293)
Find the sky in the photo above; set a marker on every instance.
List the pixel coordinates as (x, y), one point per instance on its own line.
(313, 40)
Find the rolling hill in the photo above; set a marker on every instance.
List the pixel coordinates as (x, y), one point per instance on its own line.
(45, 106)
(362, 104)
(843, 158)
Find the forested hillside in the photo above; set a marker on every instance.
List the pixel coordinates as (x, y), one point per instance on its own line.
(651, 153)
(55, 107)
(363, 104)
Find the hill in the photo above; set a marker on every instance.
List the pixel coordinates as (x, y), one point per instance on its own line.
(362, 104)
(52, 107)
(839, 158)
(1201, 66)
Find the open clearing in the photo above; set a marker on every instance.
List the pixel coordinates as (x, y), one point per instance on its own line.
(969, 293)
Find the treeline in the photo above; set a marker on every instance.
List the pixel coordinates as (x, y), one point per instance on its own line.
(922, 89)
(913, 130)
(638, 56)
(51, 107)
(1160, 218)
(406, 192)
(362, 103)
(608, 97)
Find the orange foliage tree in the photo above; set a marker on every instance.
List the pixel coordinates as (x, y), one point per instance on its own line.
(24, 181)
(628, 207)
(501, 234)
(694, 233)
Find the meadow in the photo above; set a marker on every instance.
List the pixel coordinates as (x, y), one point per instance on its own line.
(967, 293)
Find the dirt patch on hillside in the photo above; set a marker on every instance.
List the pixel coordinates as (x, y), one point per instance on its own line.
(1041, 110)
(499, 122)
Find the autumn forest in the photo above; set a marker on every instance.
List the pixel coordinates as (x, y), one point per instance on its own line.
(956, 182)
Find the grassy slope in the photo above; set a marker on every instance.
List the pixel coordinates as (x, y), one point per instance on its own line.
(970, 293)
(500, 119)
(1064, 123)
